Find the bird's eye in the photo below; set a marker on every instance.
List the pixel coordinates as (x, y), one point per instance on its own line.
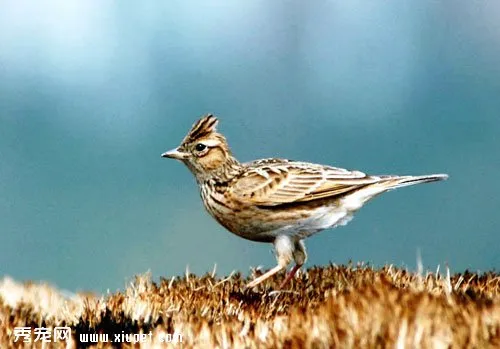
(200, 147)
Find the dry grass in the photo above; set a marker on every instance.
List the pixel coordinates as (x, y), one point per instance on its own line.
(342, 307)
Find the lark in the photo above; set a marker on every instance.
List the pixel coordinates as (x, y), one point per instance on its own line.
(277, 201)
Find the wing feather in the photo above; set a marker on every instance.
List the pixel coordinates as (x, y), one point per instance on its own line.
(272, 182)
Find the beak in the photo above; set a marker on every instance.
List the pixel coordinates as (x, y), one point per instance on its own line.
(175, 154)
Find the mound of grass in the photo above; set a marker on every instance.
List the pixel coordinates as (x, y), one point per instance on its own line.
(334, 306)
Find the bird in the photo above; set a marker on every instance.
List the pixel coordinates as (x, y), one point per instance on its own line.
(275, 200)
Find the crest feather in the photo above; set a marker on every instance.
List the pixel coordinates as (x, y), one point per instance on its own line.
(206, 125)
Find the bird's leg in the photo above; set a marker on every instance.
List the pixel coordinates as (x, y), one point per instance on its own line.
(265, 276)
(300, 257)
(284, 247)
(290, 275)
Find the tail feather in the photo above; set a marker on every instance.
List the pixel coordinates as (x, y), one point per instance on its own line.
(394, 182)
(356, 199)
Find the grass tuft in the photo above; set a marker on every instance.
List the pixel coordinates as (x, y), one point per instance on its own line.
(334, 306)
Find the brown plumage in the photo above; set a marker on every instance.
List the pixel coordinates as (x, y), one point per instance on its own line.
(276, 200)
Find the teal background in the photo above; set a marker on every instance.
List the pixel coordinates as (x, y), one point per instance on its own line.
(92, 92)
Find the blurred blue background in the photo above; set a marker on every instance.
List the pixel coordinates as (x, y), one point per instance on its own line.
(92, 92)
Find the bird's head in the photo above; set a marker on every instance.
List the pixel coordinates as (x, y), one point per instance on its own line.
(204, 151)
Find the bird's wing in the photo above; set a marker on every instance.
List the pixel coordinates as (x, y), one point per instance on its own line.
(272, 182)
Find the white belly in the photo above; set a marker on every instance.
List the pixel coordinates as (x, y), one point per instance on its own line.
(323, 218)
